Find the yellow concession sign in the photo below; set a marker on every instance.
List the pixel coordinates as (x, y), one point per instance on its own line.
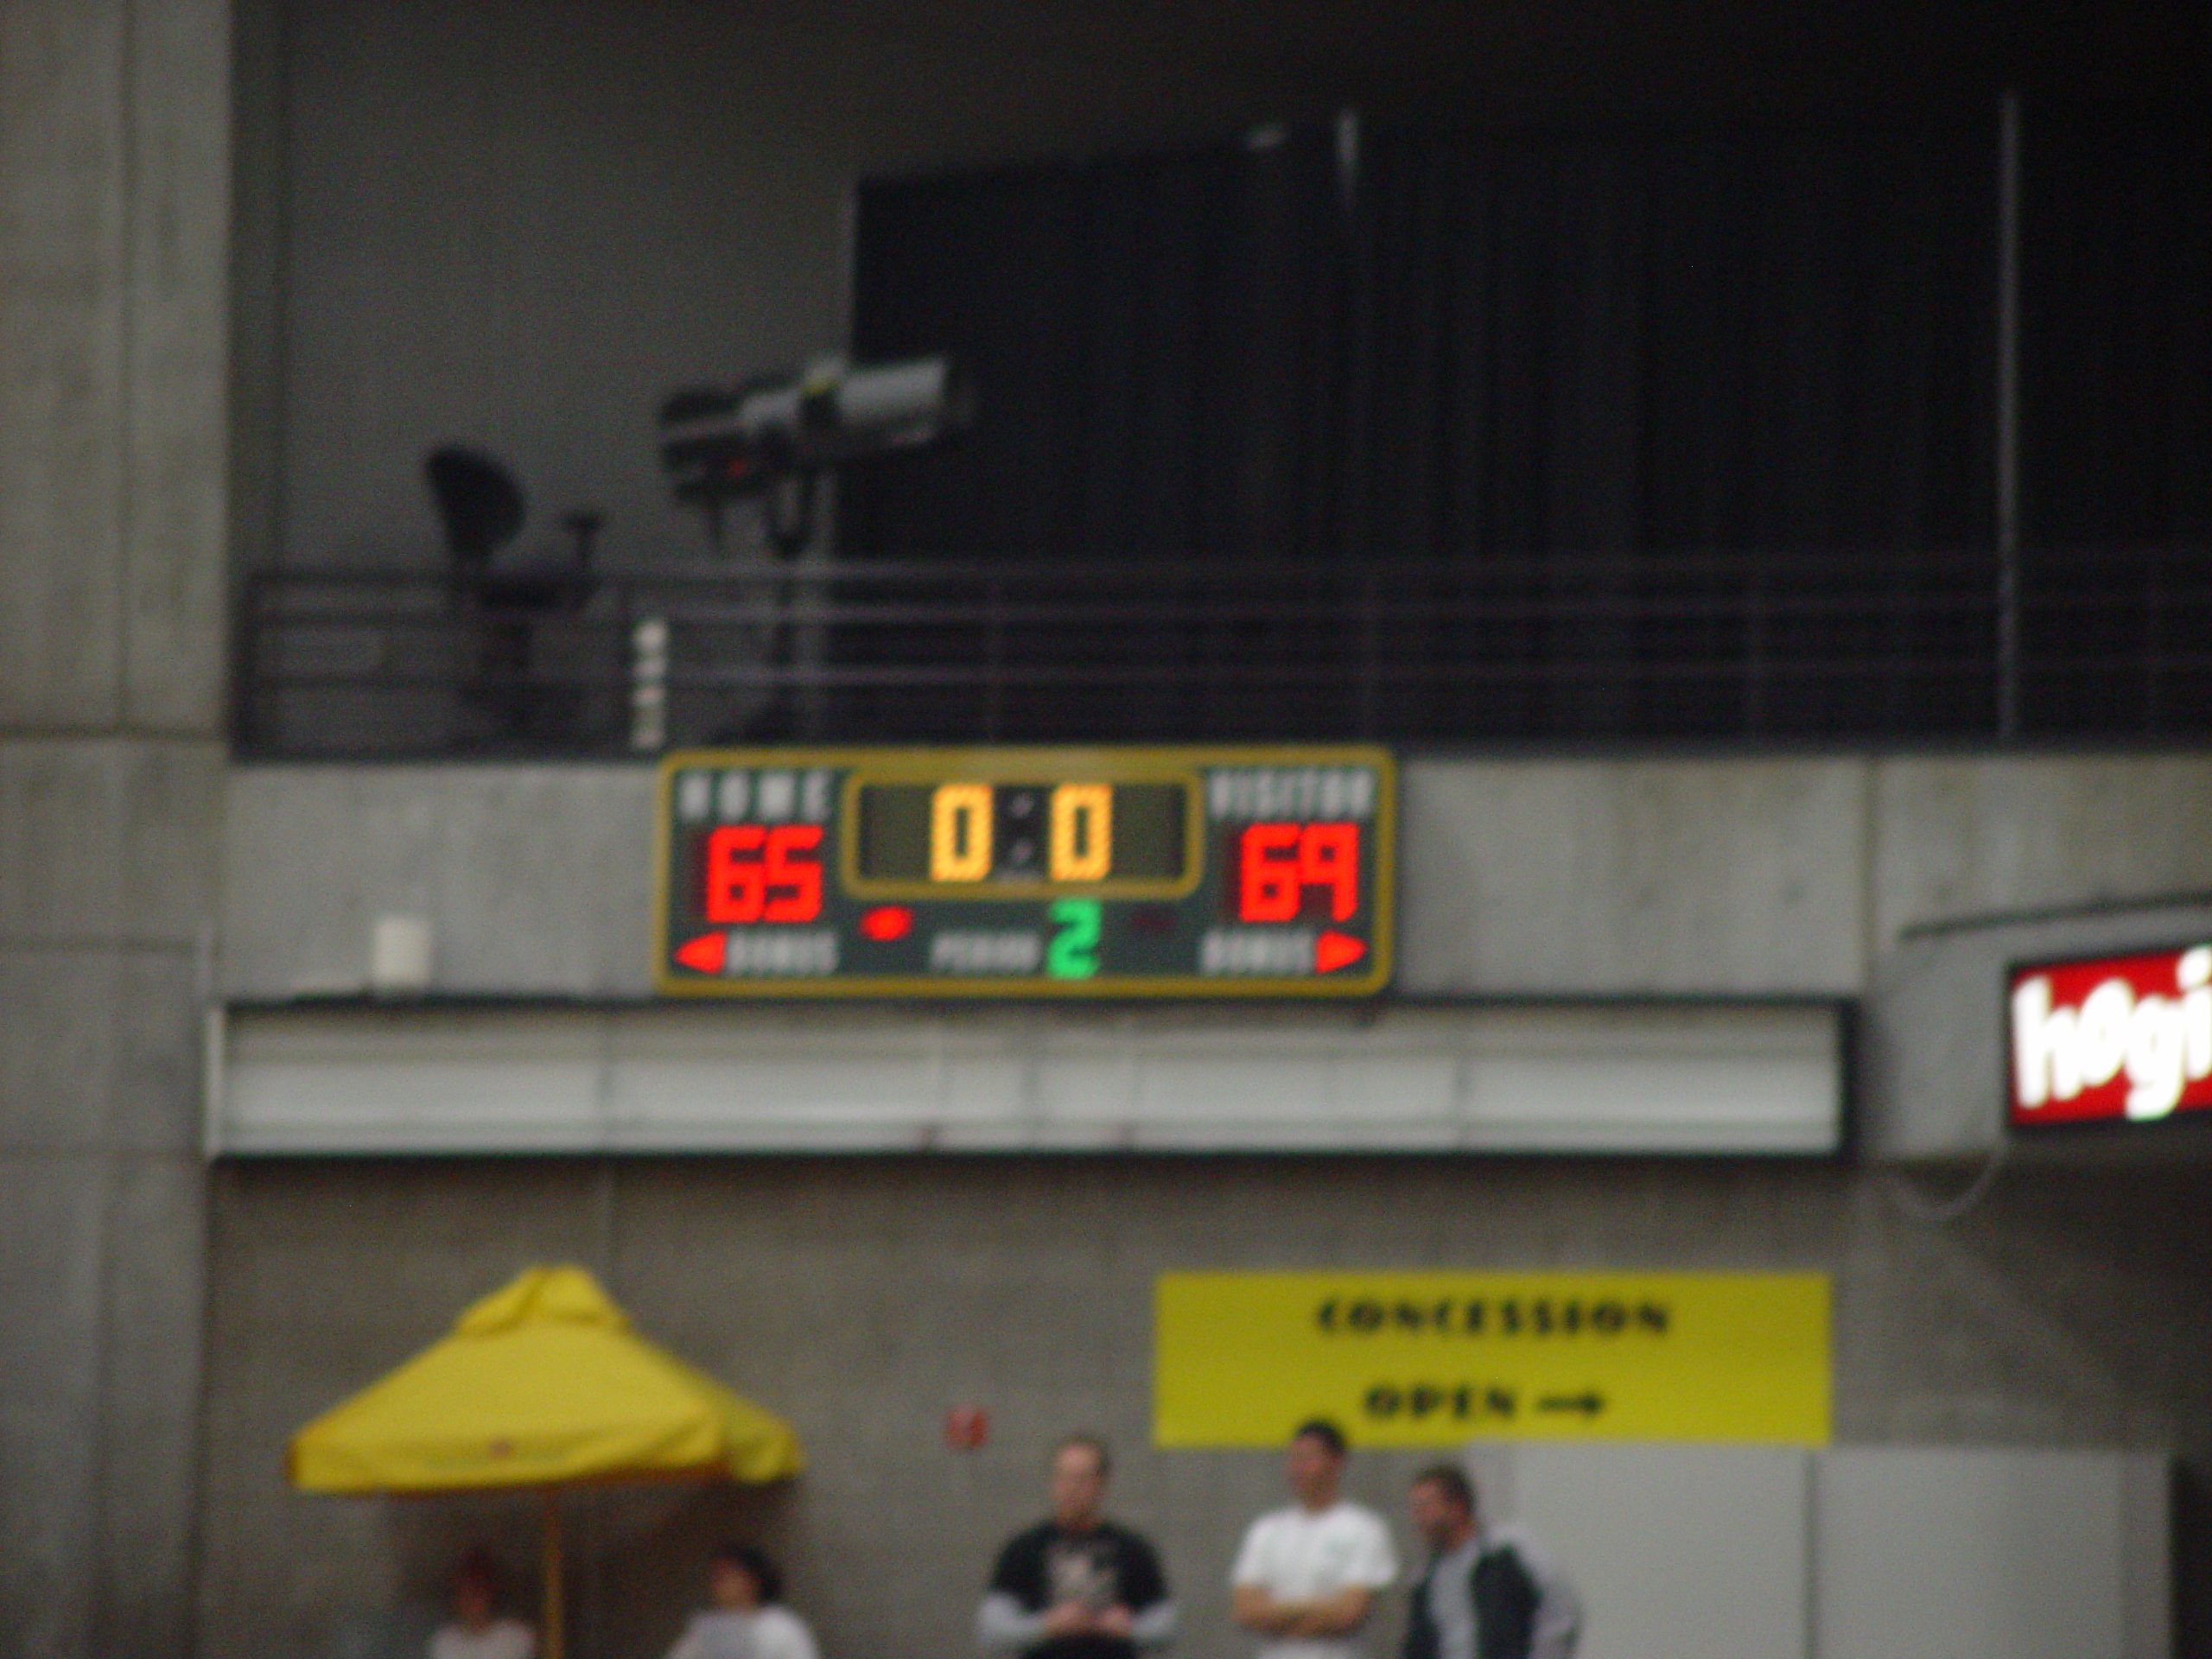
(1436, 1358)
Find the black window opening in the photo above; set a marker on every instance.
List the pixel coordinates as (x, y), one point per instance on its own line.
(1583, 433)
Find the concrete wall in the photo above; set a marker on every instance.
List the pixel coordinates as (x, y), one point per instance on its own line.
(522, 227)
(1519, 877)
(114, 146)
(863, 1297)
(522, 220)
(2061, 1309)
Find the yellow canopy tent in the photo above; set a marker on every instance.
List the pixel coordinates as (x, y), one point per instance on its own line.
(540, 1384)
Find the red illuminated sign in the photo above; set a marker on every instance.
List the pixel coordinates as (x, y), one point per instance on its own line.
(1277, 862)
(2127, 1037)
(756, 873)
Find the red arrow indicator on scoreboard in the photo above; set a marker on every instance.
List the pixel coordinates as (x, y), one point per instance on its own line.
(887, 922)
(1334, 949)
(704, 954)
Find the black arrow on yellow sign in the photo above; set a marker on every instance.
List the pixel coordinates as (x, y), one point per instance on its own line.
(1589, 1404)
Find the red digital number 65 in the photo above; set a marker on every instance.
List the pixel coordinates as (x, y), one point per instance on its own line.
(753, 873)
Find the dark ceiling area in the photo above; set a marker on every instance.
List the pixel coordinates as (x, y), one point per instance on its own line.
(971, 79)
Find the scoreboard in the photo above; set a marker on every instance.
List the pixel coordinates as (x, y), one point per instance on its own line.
(1006, 872)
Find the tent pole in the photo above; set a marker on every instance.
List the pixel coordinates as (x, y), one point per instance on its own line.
(549, 1646)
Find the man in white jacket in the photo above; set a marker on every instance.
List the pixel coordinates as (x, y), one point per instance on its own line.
(1491, 1592)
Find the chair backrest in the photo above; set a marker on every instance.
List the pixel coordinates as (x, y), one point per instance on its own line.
(479, 502)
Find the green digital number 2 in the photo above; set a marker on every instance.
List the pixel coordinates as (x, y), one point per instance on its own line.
(1073, 953)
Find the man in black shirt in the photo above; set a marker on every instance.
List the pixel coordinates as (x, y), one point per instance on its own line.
(1076, 1587)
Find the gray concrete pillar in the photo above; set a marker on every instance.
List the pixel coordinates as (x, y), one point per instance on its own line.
(115, 144)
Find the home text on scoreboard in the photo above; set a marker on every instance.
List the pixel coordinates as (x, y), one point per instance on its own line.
(1054, 873)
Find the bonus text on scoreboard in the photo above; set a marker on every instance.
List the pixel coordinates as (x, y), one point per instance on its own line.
(1104, 872)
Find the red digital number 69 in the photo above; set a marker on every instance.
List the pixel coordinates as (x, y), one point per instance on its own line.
(1276, 862)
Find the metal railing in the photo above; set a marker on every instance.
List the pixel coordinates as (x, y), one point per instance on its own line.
(1737, 649)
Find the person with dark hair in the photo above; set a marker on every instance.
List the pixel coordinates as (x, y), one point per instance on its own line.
(746, 1617)
(1490, 1592)
(1077, 1585)
(1306, 1576)
(476, 1630)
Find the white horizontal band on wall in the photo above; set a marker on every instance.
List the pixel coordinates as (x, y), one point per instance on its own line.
(1758, 1079)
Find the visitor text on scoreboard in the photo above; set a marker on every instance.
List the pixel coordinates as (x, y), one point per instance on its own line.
(1052, 873)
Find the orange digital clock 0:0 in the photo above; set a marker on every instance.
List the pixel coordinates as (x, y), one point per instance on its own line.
(1078, 834)
(1016, 834)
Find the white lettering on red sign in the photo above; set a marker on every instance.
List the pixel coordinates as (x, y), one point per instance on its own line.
(2129, 1038)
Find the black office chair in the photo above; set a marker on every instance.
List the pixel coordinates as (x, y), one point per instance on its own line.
(479, 500)
(501, 600)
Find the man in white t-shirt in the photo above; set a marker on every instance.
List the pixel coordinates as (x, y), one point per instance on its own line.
(1307, 1575)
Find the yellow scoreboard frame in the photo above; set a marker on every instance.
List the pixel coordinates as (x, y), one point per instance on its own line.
(759, 890)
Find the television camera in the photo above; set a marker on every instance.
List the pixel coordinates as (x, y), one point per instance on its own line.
(770, 438)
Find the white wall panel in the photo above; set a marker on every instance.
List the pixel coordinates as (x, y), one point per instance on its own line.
(1713, 1552)
(1681, 1552)
(1946, 1554)
(522, 1082)
(432, 1077)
